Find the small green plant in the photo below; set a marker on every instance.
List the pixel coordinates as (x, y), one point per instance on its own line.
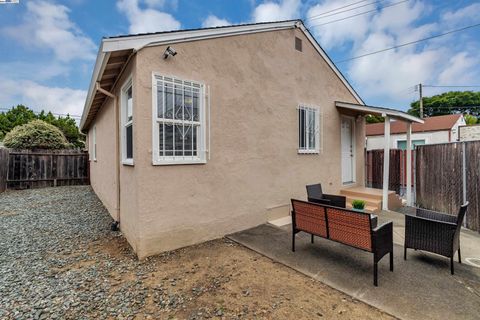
(358, 204)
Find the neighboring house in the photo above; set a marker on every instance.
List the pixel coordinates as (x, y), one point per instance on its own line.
(469, 133)
(439, 129)
(220, 136)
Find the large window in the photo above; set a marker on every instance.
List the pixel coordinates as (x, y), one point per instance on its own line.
(179, 125)
(127, 123)
(308, 130)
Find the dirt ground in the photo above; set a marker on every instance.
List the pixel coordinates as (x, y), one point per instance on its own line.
(222, 279)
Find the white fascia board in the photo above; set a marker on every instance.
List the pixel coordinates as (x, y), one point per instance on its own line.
(140, 41)
(100, 64)
(329, 62)
(397, 114)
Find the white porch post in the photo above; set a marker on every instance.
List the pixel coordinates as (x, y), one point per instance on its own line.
(386, 162)
(409, 164)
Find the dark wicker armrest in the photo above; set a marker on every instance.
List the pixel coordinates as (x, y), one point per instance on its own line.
(374, 219)
(434, 215)
(336, 200)
(382, 239)
(320, 201)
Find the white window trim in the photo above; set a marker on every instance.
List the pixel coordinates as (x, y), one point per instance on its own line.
(318, 128)
(158, 160)
(123, 109)
(94, 143)
(405, 140)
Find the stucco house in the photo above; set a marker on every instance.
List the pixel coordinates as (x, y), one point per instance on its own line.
(195, 134)
(438, 129)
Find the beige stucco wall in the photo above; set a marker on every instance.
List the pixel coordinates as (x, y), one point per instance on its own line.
(256, 83)
(103, 175)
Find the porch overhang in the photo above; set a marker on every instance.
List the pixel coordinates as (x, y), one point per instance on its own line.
(388, 114)
(377, 111)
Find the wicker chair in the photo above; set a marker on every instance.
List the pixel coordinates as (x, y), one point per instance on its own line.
(315, 194)
(434, 232)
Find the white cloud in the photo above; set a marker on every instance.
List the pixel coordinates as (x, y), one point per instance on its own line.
(462, 15)
(214, 21)
(385, 76)
(36, 96)
(143, 20)
(48, 26)
(162, 3)
(275, 11)
(460, 70)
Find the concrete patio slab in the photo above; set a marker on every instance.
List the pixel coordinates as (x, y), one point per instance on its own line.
(419, 288)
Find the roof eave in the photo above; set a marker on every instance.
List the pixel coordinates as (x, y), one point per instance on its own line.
(100, 62)
(381, 111)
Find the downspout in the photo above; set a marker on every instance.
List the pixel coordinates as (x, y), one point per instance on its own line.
(116, 223)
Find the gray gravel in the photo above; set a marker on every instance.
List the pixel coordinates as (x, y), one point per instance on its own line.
(49, 265)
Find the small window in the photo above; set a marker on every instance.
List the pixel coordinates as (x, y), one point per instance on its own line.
(298, 44)
(94, 143)
(308, 130)
(127, 123)
(402, 144)
(179, 121)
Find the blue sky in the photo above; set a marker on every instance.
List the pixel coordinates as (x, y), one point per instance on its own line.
(48, 47)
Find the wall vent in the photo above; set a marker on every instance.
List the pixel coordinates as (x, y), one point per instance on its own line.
(298, 44)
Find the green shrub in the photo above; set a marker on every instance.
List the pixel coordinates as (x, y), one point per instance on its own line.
(36, 134)
(358, 204)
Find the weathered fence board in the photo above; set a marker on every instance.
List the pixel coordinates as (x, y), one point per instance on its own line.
(3, 169)
(374, 170)
(49, 168)
(439, 179)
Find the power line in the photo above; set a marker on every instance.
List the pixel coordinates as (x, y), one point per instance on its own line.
(323, 15)
(409, 43)
(346, 6)
(361, 13)
(55, 114)
(455, 86)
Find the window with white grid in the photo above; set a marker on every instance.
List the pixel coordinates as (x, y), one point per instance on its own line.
(308, 129)
(179, 124)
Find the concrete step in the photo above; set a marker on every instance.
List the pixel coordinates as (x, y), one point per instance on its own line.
(368, 201)
(373, 194)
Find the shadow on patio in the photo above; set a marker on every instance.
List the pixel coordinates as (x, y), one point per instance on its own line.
(419, 288)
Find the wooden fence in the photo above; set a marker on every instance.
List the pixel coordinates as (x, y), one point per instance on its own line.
(374, 170)
(23, 169)
(440, 182)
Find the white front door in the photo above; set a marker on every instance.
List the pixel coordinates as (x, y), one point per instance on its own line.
(348, 150)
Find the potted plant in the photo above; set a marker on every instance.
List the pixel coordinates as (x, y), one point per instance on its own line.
(358, 205)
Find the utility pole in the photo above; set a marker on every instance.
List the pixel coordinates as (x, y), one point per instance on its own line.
(420, 100)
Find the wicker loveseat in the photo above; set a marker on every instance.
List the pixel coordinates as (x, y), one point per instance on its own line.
(345, 226)
(434, 232)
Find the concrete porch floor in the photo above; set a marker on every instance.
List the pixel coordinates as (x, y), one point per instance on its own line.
(419, 288)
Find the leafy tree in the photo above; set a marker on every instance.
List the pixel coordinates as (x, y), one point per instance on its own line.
(68, 127)
(36, 134)
(448, 103)
(15, 117)
(374, 119)
(470, 120)
(20, 115)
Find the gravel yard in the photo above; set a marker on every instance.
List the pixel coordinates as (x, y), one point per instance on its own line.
(59, 260)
